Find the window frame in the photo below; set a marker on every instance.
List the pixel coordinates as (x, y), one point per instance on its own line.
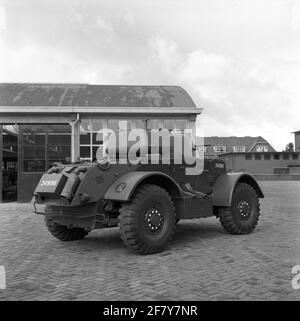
(216, 149)
(285, 156)
(236, 149)
(189, 124)
(91, 131)
(262, 149)
(46, 159)
(202, 149)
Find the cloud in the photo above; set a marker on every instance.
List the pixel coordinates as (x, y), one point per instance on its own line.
(240, 60)
(239, 96)
(103, 25)
(2, 18)
(295, 13)
(126, 17)
(42, 65)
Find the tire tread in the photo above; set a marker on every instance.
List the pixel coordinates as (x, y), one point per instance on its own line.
(226, 216)
(128, 232)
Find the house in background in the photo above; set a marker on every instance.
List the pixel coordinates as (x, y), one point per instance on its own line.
(216, 145)
(267, 165)
(297, 141)
(254, 155)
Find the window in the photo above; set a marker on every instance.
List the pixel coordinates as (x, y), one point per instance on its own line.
(91, 137)
(169, 123)
(58, 148)
(286, 156)
(10, 139)
(219, 149)
(248, 156)
(202, 149)
(43, 145)
(276, 156)
(180, 124)
(262, 148)
(239, 149)
(140, 123)
(295, 157)
(281, 170)
(267, 156)
(257, 156)
(94, 132)
(153, 123)
(34, 152)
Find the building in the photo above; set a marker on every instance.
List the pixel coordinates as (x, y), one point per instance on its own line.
(215, 145)
(44, 123)
(254, 155)
(297, 141)
(268, 164)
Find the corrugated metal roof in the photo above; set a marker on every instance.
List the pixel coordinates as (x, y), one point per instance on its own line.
(72, 95)
(248, 141)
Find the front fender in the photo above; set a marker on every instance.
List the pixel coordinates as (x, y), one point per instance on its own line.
(224, 186)
(133, 179)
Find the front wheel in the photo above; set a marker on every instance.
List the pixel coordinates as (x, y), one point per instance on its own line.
(147, 222)
(243, 215)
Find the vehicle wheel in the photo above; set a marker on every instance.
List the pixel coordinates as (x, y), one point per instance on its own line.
(243, 215)
(147, 222)
(63, 233)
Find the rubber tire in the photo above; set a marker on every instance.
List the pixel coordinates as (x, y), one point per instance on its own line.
(131, 220)
(63, 233)
(230, 217)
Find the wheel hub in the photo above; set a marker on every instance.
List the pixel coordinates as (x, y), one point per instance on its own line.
(244, 209)
(154, 220)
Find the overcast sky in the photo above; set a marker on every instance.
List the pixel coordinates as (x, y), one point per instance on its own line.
(239, 60)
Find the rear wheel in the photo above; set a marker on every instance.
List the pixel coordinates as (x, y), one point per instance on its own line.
(243, 215)
(147, 222)
(64, 233)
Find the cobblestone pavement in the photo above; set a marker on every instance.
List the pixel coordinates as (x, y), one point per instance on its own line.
(202, 262)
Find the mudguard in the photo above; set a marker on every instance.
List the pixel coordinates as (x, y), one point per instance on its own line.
(123, 188)
(224, 186)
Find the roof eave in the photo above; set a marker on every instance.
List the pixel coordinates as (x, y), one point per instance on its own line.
(99, 110)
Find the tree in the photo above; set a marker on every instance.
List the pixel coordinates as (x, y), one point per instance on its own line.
(289, 147)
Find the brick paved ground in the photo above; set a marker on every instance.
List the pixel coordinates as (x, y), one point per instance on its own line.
(203, 262)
